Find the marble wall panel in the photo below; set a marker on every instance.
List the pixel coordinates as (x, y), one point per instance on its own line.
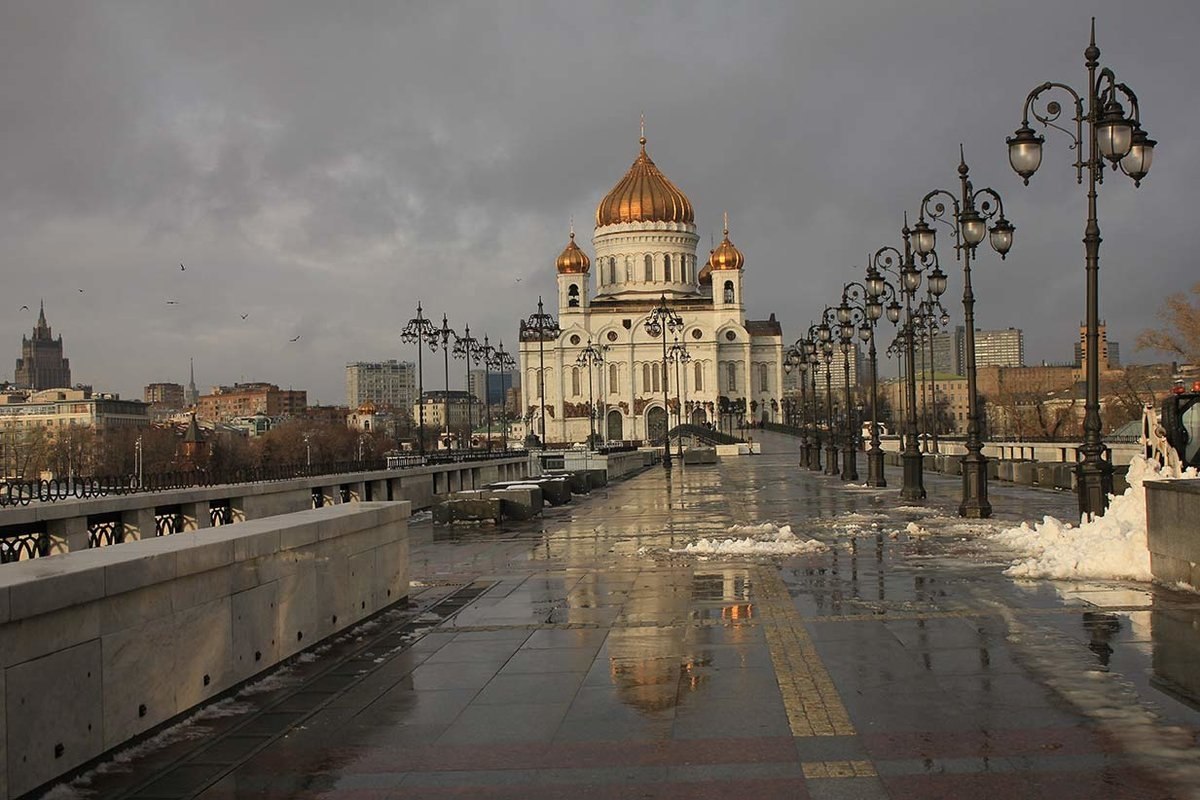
(203, 652)
(134, 705)
(255, 645)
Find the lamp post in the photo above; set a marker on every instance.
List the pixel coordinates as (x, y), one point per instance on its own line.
(541, 325)
(811, 346)
(906, 269)
(797, 358)
(662, 320)
(470, 349)
(678, 353)
(825, 336)
(932, 317)
(442, 337)
(487, 355)
(851, 316)
(1119, 138)
(971, 210)
(879, 292)
(504, 363)
(589, 357)
(420, 331)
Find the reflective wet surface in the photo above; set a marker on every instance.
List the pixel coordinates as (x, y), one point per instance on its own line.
(577, 656)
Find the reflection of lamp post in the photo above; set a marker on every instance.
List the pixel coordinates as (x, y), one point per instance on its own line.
(589, 357)
(420, 331)
(905, 268)
(662, 320)
(541, 325)
(678, 353)
(970, 210)
(1122, 141)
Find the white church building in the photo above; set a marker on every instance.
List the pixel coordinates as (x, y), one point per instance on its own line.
(645, 252)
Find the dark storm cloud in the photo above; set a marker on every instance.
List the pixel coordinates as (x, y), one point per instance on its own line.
(322, 166)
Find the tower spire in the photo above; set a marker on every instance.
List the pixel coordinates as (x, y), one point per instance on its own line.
(42, 314)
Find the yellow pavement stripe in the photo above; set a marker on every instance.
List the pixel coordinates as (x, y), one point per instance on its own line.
(838, 769)
(809, 697)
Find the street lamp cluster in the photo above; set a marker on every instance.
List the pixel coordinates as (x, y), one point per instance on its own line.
(421, 331)
(1114, 138)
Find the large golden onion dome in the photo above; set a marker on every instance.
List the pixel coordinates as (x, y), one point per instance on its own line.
(644, 195)
(726, 256)
(572, 260)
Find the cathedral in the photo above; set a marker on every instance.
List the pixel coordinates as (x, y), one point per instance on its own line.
(721, 367)
(41, 365)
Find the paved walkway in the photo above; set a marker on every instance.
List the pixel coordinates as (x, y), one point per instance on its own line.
(576, 656)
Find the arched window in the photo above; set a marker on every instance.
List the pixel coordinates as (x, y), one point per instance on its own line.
(764, 381)
(654, 377)
(645, 378)
(649, 268)
(613, 379)
(573, 296)
(685, 273)
(575, 381)
(612, 270)
(666, 266)
(731, 376)
(629, 269)
(699, 387)
(728, 291)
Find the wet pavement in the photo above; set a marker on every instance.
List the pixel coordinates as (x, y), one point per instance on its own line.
(577, 656)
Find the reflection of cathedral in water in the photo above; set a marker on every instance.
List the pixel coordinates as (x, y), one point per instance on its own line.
(658, 644)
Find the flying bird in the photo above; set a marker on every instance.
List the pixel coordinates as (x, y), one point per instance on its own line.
(182, 267)
(296, 339)
(24, 308)
(245, 315)
(81, 291)
(172, 302)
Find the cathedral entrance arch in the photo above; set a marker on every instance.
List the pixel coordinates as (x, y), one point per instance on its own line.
(616, 429)
(698, 417)
(656, 425)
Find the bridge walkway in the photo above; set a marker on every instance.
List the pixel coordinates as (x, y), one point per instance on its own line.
(579, 656)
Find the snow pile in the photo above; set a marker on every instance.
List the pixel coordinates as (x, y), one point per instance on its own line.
(915, 530)
(1112, 546)
(770, 541)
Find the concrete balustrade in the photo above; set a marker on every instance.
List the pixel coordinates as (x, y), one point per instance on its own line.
(66, 522)
(1173, 536)
(101, 645)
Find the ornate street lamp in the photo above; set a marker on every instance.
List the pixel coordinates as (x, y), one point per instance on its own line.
(1121, 140)
(589, 357)
(878, 292)
(503, 363)
(971, 210)
(442, 337)
(540, 326)
(470, 349)
(663, 320)
(852, 317)
(678, 353)
(811, 345)
(420, 331)
(825, 334)
(797, 359)
(931, 317)
(908, 273)
(487, 355)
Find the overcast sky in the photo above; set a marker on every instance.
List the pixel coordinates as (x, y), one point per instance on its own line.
(319, 167)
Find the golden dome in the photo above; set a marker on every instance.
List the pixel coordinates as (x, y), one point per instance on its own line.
(705, 275)
(726, 256)
(367, 407)
(644, 195)
(572, 260)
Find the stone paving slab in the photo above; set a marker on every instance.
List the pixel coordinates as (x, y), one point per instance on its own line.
(596, 663)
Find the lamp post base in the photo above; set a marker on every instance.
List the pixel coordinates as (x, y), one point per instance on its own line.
(1094, 483)
(913, 487)
(831, 459)
(875, 468)
(975, 504)
(814, 455)
(849, 464)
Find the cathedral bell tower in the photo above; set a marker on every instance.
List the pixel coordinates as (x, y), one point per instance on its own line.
(573, 265)
(726, 273)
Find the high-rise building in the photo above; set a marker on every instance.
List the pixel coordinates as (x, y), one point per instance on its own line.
(388, 384)
(41, 365)
(167, 395)
(1109, 351)
(1004, 348)
(948, 351)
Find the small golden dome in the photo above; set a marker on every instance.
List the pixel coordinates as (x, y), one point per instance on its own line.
(367, 407)
(572, 260)
(726, 256)
(705, 276)
(644, 195)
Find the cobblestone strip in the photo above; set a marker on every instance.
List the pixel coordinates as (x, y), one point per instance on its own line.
(809, 697)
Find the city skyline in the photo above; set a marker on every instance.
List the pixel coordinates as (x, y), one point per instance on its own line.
(173, 136)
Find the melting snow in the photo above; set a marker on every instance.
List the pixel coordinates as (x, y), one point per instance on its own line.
(1109, 547)
(771, 540)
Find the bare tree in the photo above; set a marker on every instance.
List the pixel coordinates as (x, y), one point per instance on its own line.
(1180, 334)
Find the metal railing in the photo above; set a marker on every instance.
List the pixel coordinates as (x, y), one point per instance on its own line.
(702, 434)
